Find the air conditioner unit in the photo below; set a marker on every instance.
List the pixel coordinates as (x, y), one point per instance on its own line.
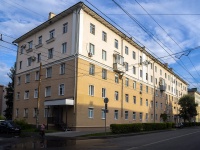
(33, 58)
(140, 92)
(89, 54)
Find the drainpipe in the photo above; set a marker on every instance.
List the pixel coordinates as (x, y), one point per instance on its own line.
(154, 97)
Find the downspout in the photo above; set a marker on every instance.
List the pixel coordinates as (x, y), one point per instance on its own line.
(122, 85)
(154, 97)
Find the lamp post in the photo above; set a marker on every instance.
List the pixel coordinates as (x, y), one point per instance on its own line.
(105, 110)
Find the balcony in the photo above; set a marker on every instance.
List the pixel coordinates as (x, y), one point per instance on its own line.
(162, 87)
(118, 68)
(118, 65)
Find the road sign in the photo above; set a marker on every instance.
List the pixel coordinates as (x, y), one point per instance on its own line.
(106, 100)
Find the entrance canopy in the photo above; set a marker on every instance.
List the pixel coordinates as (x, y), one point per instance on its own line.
(59, 102)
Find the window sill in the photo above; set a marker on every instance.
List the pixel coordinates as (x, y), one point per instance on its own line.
(29, 50)
(38, 46)
(50, 40)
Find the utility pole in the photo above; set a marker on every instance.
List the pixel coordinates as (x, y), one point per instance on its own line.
(38, 99)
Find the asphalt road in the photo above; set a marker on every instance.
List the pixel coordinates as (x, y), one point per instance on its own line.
(181, 139)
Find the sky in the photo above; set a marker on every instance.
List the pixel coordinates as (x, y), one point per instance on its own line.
(169, 29)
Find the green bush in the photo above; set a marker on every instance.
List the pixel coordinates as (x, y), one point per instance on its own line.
(2, 117)
(23, 124)
(125, 128)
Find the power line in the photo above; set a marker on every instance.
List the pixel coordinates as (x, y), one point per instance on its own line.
(151, 35)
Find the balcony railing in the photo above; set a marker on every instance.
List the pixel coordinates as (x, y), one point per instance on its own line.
(118, 68)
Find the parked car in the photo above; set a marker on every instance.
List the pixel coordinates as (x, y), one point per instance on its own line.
(9, 126)
(179, 125)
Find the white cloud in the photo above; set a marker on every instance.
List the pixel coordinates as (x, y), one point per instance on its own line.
(4, 69)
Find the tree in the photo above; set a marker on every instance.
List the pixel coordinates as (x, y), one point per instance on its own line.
(9, 94)
(164, 117)
(187, 107)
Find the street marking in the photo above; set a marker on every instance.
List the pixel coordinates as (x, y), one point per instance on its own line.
(163, 140)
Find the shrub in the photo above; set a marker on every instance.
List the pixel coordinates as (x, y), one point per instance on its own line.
(23, 124)
(2, 117)
(125, 128)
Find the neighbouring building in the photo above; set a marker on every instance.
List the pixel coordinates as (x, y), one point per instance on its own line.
(196, 94)
(2, 100)
(83, 60)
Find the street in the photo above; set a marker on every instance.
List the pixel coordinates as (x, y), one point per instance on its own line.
(184, 139)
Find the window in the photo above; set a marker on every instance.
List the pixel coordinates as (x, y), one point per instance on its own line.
(146, 116)
(49, 72)
(134, 99)
(37, 75)
(90, 112)
(147, 89)
(134, 84)
(141, 73)
(103, 92)
(126, 97)
(133, 54)
(91, 90)
(64, 48)
(65, 27)
(160, 72)
(51, 34)
(36, 93)
(151, 116)
(140, 60)
(18, 96)
(61, 89)
(92, 69)
(34, 112)
(147, 76)
(20, 65)
(134, 70)
(126, 50)
(104, 36)
(147, 102)
(27, 79)
(116, 78)
(151, 104)
(17, 113)
(25, 112)
(161, 105)
(47, 91)
(39, 57)
(126, 66)
(104, 74)
(140, 116)
(116, 43)
(103, 116)
(26, 95)
(29, 61)
(62, 68)
(116, 95)
(127, 81)
(103, 55)
(92, 49)
(92, 28)
(156, 116)
(140, 86)
(116, 114)
(30, 44)
(40, 40)
(134, 115)
(126, 115)
(165, 76)
(156, 104)
(140, 101)
(22, 49)
(151, 78)
(18, 80)
(155, 68)
(50, 53)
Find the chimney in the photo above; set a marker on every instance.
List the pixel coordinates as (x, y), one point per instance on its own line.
(51, 15)
(171, 69)
(166, 64)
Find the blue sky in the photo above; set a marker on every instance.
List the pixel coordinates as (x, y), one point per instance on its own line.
(174, 25)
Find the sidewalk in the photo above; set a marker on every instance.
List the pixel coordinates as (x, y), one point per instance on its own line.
(72, 133)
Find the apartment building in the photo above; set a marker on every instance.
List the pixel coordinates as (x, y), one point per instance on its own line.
(196, 94)
(84, 59)
(2, 99)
